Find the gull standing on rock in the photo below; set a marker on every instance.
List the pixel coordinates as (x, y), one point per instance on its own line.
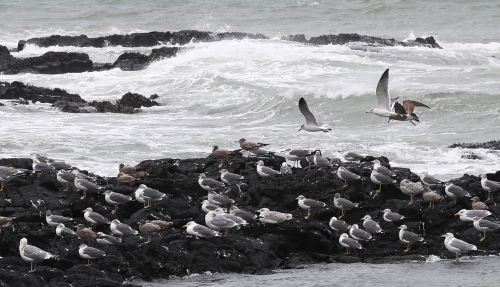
(265, 171)
(456, 245)
(219, 199)
(250, 146)
(285, 168)
(85, 185)
(349, 243)
(489, 185)
(209, 183)
(245, 215)
(39, 166)
(343, 204)
(359, 234)
(199, 230)
(352, 157)
(66, 177)
(384, 107)
(231, 179)
(454, 191)
(145, 194)
(94, 217)
(106, 240)
(222, 153)
(54, 220)
(408, 237)
(346, 175)
(296, 155)
(429, 180)
(311, 124)
(379, 168)
(320, 161)
(115, 198)
(390, 216)
(84, 232)
(309, 204)
(90, 253)
(411, 188)
(219, 222)
(484, 226)
(33, 254)
(273, 217)
(380, 179)
(477, 204)
(432, 197)
(339, 225)
(7, 172)
(61, 230)
(148, 228)
(206, 206)
(370, 225)
(468, 215)
(121, 229)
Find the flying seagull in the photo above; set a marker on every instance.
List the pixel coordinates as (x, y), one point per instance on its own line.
(311, 124)
(384, 107)
(405, 111)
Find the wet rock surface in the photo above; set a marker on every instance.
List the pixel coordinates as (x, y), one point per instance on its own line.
(255, 249)
(493, 145)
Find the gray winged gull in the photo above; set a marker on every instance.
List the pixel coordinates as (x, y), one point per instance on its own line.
(484, 226)
(384, 103)
(222, 153)
(489, 185)
(309, 204)
(454, 191)
(296, 155)
(390, 216)
(352, 157)
(429, 180)
(219, 199)
(273, 217)
(90, 253)
(121, 229)
(349, 243)
(66, 177)
(370, 225)
(467, 215)
(346, 175)
(53, 220)
(265, 171)
(285, 168)
(250, 146)
(411, 188)
(219, 222)
(106, 239)
(62, 230)
(359, 234)
(231, 179)
(58, 165)
(7, 172)
(33, 254)
(206, 206)
(381, 179)
(84, 232)
(320, 161)
(456, 245)
(85, 185)
(39, 166)
(311, 124)
(199, 230)
(145, 194)
(477, 204)
(115, 198)
(209, 183)
(94, 217)
(408, 237)
(339, 225)
(431, 197)
(405, 111)
(343, 204)
(246, 215)
(378, 167)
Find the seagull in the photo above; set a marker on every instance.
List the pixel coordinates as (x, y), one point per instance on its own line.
(370, 225)
(199, 230)
(66, 177)
(273, 217)
(85, 185)
(346, 175)
(343, 204)
(309, 204)
(145, 194)
(33, 254)
(39, 166)
(477, 204)
(126, 178)
(320, 161)
(219, 199)
(457, 246)
(405, 111)
(348, 243)
(352, 157)
(6, 221)
(390, 216)
(432, 197)
(128, 169)
(116, 198)
(209, 184)
(285, 168)
(8, 172)
(57, 164)
(411, 188)
(455, 191)
(94, 217)
(246, 215)
(121, 229)
(230, 178)
(61, 230)
(237, 219)
(467, 215)
(148, 228)
(311, 124)
(489, 185)
(408, 237)
(339, 225)
(380, 179)
(106, 240)
(484, 226)
(206, 206)
(378, 167)
(222, 153)
(296, 155)
(265, 171)
(428, 179)
(219, 222)
(250, 146)
(90, 253)
(84, 232)
(359, 234)
(384, 107)
(54, 220)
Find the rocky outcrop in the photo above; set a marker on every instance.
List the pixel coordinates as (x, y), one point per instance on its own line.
(492, 145)
(72, 103)
(138, 61)
(255, 249)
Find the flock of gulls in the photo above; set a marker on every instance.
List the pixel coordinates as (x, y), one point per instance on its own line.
(221, 212)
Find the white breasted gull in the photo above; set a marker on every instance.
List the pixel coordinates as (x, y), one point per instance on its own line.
(285, 168)
(219, 222)
(429, 180)
(384, 102)
(85, 185)
(477, 204)
(359, 234)
(54, 220)
(206, 206)
(246, 215)
(115, 198)
(378, 167)
(239, 220)
(343, 204)
(296, 155)
(33, 254)
(390, 216)
(66, 177)
(145, 194)
(320, 161)
(106, 239)
(489, 185)
(199, 230)
(209, 183)
(94, 217)
(432, 197)
(273, 217)
(121, 229)
(62, 230)
(309, 204)
(265, 171)
(39, 166)
(456, 245)
(352, 157)
(346, 175)
(7, 172)
(57, 165)
(380, 179)
(219, 199)
(455, 191)
(90, 253)
(370, 225)
(467, 215)
(311, 124)
(231, 179)
(349, 243)
(408, 237)
(405, 111)
(411, 188)
(484, 226)
(339, 225)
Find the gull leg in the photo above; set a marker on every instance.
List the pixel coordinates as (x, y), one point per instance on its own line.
(379, 189)
(345, 184)
(347, 251)
(149, 239)
(454, 201)
(114, 210)
(484, 237)
(84, 194)
(3, 185)
(412, 123)
(342, 215)
(411, 199)
(408, 248)
(221, 163)
(308, 214)
(67, 187)
(145, 205)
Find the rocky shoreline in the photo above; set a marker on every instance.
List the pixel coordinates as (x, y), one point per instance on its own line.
(254, 249)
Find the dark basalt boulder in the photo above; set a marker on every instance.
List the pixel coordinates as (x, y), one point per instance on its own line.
(138, 61)
(493, 145)
(16, 90)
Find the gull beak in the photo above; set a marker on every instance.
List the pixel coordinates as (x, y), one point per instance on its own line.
(184, 226)
(443, 235)
(83, 211)
(399, 227)
(456, 214)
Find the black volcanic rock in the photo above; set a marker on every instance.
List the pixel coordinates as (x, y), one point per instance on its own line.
(16, 90)
(493, 145)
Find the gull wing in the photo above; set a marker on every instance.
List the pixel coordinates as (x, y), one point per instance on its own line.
(399, 109)
(304, 109)
(409, 106)
(383, 98)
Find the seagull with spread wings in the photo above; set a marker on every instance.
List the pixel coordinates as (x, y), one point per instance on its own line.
(405, 111)
(384, 107)
(311, 124)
